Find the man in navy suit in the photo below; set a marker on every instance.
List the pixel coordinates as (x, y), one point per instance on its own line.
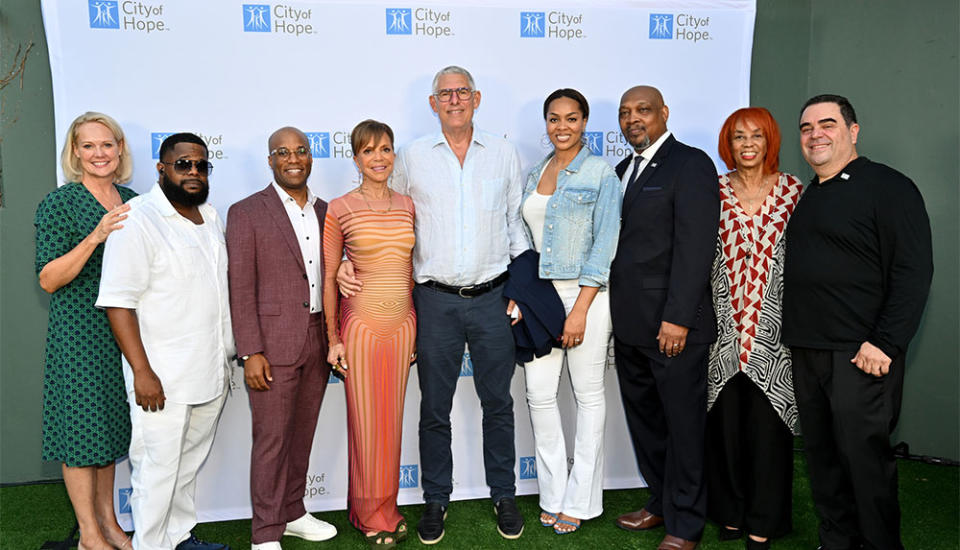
(663, 319)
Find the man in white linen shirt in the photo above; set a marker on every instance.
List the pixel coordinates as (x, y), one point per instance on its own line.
(466, 186)
(164, 286)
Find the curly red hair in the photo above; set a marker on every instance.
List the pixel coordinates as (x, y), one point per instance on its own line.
(763, 120)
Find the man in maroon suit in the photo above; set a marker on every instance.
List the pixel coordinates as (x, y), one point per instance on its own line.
(274, 245)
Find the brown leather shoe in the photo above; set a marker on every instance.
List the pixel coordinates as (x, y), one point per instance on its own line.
(671, 542)
(639, 521)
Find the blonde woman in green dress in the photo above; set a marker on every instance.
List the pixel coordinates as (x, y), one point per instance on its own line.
(86, 418)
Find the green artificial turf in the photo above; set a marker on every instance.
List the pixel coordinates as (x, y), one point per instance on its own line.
(32, 514)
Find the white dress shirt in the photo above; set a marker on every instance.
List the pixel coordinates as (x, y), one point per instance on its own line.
(646, 155)
(468, 222)
(174, 274)
(307, 228)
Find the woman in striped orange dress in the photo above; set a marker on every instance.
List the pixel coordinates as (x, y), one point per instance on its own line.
(372, 341)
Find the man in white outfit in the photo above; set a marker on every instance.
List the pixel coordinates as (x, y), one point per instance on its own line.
(164, 286)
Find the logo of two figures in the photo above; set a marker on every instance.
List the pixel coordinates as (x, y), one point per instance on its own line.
(399, 22)
(409, 475)
(104, 17)
(661, 25)
(255, 17)
(532, 24)
(528, 467)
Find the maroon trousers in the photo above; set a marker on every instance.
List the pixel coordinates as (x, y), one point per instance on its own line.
(284, 420)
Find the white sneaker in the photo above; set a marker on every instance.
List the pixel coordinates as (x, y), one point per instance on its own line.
(273, 545)
(308, 527)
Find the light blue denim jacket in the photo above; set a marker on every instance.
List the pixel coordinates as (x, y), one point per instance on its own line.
(582, 222)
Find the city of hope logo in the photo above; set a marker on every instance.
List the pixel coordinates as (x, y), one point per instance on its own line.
(104, 14)
(466, 366)
(319, 144)
(123, 499)
(399, 21)
(409, 476)
(594, 142)
(256, 18)
(532, 24)
(528, 467)
(661, 26)
(156, 138)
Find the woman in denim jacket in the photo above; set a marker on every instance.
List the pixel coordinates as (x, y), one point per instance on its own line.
(571, 209)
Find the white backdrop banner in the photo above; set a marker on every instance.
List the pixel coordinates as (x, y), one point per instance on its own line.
(233, 72)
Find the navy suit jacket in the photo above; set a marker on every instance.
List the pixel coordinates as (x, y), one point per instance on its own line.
(668, 236)
(543, 312)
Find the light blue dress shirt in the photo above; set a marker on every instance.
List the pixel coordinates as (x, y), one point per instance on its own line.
(468, 222)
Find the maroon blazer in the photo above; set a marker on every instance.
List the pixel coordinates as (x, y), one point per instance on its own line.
(269, 293)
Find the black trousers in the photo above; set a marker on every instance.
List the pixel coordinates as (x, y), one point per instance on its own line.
(665, 402)
(445, 322)
(846, 416)
(749, 462)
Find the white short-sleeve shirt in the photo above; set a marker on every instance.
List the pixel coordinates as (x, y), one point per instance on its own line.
(174, 274)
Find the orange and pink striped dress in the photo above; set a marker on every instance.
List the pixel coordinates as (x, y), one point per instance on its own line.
(377, 327)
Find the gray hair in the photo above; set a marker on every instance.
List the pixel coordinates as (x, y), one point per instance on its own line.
(453, 69)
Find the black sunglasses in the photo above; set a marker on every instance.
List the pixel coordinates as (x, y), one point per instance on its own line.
(183, 166)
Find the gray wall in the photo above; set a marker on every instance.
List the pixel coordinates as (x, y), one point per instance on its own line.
(898, 65)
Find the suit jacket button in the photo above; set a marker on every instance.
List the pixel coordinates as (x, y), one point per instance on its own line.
(304, 275)
(306, 304)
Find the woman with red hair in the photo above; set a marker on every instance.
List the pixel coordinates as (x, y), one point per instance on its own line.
(751, 405)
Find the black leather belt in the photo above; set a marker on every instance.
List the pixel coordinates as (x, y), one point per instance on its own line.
(469, 291)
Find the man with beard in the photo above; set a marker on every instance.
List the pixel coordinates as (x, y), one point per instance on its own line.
(662, 310)
(164, 286)
(274, 240)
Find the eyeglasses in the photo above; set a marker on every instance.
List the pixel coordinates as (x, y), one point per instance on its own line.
(283, 152)
(183, 166)
(446, 94)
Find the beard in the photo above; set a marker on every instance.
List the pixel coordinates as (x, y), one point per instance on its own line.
(179, 195)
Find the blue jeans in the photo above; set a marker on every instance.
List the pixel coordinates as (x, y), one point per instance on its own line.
(445, 322)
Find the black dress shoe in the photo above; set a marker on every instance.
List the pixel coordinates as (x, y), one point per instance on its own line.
(430, 527)
(509, 520)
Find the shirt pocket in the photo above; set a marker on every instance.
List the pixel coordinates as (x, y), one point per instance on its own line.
(188, 261)
(493, 194)
(577, 204)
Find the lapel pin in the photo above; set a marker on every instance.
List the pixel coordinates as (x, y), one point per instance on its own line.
(844, 176)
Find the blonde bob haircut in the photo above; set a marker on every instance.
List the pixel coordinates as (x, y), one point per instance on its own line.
(69, 161)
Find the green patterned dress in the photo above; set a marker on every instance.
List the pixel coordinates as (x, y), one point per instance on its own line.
(86, 418)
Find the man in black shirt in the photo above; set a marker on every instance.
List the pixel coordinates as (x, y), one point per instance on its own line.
(856, 278)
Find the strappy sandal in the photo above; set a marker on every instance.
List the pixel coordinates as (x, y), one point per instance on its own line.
(551, 522)
(401, 533)
(379, 539)
(576, 527)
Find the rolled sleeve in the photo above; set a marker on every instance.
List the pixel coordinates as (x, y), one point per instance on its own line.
(606, 231)
(126, 268)
(515, 228)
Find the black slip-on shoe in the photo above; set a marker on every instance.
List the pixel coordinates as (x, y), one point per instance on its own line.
(509, 520)
(430, 526)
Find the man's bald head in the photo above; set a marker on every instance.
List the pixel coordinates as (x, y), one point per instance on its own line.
(649, 93)
(283, 134)
(290, 158)
(643, 116)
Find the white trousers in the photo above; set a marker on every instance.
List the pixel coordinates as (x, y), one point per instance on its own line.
(167, 448)
(578, 493)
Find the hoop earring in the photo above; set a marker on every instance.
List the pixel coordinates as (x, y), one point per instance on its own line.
(359, 179)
